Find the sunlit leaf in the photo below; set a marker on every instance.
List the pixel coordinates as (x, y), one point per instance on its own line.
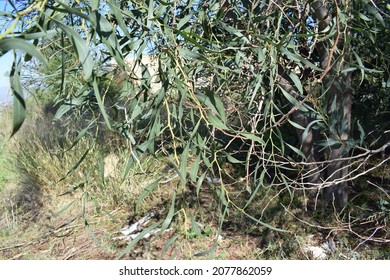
(100, 102)
(77, 164)
(194, 169)
(73, 189)
(184, 20)
(19, 104)
(7, 44)
(293, 101)
(170, 214)
(81, 48)
(137, 239)
(193, 55)
(297, 82)
(149, 189)
(106, 32)
(215, 121)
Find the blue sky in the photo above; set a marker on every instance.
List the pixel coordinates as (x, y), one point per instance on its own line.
(5, 66)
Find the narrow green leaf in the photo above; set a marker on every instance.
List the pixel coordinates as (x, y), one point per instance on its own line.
(215, 121)
(63, 109)
(194, 39)
(95, 4)
(193, 55)
(194, 169)
(76, 165)
(233, 159)
(129, 165)
(135, 44)
(73, 189)
(292, 100)
(308, 128)
(297, 81)
(295, 150)
(234, 31)
(184, 20)
(170, 214)
(330, 143)
(218, 105)
(19, 105)
(99, 99)
(168, 244)
(259, 82)
(364, 17)
(208, 251)
(63, 209)
(221, 193)
(376, 14)
(146, 192)
(361, 66)
(259, 184)
(296, 125)
(82, 49)
(118, 15)
(90, 232)
(333, 106)
(38, 35)
(253, 137)
(68, 9)
(213, 102)
(349, 69)
(195, 130)
(150, 14)
(362, 133)
(199, 183)
(106, 32)
(183, 165)
(138, 238)
(7, 44)
(80, 136)
(264, 224)
(298, 58)
(194, 227)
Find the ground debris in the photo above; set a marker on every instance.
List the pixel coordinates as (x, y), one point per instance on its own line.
(133, 230)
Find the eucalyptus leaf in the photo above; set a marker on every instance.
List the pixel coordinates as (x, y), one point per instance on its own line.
(19, 104)
(82, 49)
(7, 44)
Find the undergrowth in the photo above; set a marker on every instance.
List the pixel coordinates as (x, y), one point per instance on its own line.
(56, 199)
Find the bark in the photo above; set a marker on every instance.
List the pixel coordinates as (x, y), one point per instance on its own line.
(313, 174)
(337, 171)
(339, 97)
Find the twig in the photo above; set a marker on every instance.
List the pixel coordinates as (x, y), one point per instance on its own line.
(368, 238)
(309, 224)
(292, 110)
(18, 245)
(381, 189)
(347, 227)
(327, 68)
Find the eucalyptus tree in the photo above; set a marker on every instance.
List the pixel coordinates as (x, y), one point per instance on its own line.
(265, 84)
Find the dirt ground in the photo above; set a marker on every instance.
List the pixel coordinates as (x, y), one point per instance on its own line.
(37, 226)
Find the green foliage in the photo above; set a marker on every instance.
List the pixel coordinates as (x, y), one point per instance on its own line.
(202, 83)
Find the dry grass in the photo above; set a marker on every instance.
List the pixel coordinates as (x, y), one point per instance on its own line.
(46, 216)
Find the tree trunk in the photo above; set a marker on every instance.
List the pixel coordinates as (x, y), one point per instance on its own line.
(339, 112)
(333, 59)
(312, 174)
